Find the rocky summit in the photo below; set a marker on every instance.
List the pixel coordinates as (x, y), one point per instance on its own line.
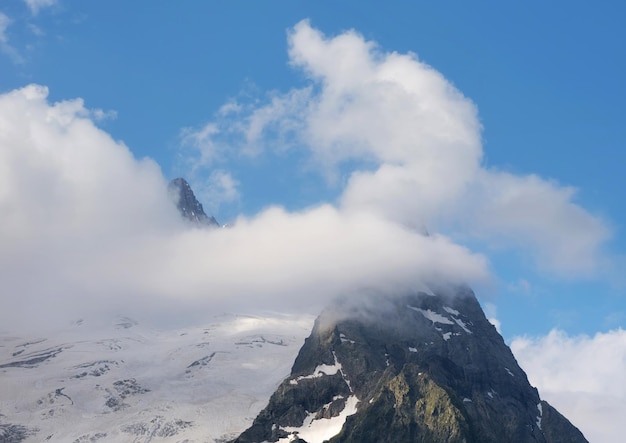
(416, 368)
(190, 208)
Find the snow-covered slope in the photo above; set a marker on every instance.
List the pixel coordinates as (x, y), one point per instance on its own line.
(128, 383)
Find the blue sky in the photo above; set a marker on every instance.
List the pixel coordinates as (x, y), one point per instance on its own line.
(527, 203)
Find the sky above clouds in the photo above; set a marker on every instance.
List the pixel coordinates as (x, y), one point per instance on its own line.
(330, 138)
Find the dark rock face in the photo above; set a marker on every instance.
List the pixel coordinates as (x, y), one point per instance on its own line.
(10, 433)
(186, 202)
(418, 368)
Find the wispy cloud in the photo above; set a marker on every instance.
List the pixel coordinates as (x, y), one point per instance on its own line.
(37, 5)
(5, 46)
(5, 21)
(36, 30)
(217, 189)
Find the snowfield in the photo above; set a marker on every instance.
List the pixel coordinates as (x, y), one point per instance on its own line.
(128, 383)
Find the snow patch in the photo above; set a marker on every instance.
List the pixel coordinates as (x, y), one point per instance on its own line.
(540, 409)
(432, 316)
(320, 371)
(343, 339)
(460, 322)
(412, 349)
(437, 318)
(449, 310)
(318, 431)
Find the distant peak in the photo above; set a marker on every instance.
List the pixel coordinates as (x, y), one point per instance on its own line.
(179, 182)
(187, 203)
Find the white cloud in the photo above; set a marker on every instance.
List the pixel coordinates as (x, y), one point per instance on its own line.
(87, 227)
(5, 46)
(528, 210)
(218, 189)
(201, 141)
(11, 49)
(36, 5)
(582, 376)
(411, 143)
(36, 30)
(5, 21)
(101, 114)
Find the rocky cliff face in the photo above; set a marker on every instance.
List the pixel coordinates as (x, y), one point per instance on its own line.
(418, 368)
(186, 202)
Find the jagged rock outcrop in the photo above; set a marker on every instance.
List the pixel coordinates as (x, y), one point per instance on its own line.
(417, 368)
(186, 202)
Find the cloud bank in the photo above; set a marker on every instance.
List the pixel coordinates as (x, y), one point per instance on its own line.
(85, 226)
(582, 376)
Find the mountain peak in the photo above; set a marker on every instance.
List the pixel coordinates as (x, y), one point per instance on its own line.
(415, 368)
(190, 208)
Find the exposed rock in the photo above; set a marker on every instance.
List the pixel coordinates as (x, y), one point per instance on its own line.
(11, 433)
(32, 360)
(420, 368)
(91, 438)
(186, 202)
(157, 427)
